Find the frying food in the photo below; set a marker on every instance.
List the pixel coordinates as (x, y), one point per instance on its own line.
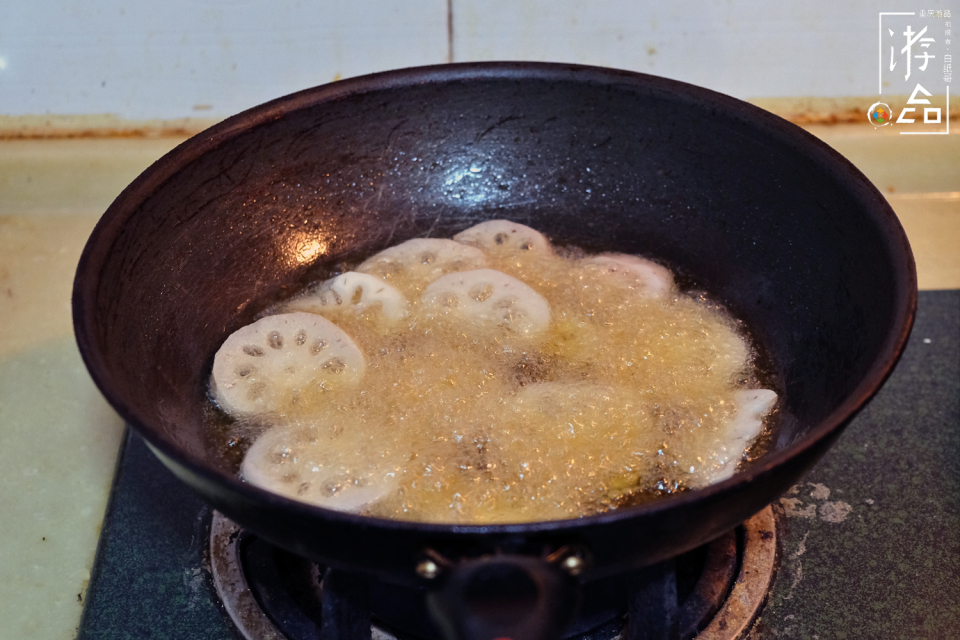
(492, 378)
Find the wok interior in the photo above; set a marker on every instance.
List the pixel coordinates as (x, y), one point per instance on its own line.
(778, 228)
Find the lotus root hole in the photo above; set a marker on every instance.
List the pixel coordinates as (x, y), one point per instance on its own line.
(331, 488)
(335, 365)
(510, 315)
(481, 293)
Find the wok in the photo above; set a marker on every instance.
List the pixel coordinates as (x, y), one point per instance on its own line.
(740, 203)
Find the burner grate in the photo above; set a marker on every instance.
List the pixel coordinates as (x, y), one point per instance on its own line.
(271, 594)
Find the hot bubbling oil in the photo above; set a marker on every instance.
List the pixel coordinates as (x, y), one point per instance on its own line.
(623, 395)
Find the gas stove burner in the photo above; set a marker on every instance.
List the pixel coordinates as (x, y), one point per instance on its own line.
(271, 594)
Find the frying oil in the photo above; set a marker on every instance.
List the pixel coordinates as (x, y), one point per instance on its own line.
(621, 398)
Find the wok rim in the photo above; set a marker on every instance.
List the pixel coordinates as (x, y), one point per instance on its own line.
(104, 235)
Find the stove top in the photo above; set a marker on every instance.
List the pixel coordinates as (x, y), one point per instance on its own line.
(869, 543)
(711, 593)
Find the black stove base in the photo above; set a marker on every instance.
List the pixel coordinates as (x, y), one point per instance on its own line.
(151, 578)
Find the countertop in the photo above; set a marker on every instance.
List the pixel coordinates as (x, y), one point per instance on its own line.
(59, 437)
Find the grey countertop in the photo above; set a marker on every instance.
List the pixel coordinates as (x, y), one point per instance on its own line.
(870, 541)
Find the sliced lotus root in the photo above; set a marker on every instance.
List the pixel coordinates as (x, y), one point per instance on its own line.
(266, 363)
(557, 399)
(488, 298)
(414, 264)
(735, 437)
(355, 293)
(648, 278)
(304, 463)
(502, 237)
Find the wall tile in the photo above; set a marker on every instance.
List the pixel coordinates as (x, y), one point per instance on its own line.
(179, 58)
(746, 48)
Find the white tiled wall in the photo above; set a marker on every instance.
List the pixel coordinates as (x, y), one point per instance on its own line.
(144, 59)
(176, 58)
(749, 48)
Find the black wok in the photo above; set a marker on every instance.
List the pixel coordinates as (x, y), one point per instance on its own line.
(741, 203)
